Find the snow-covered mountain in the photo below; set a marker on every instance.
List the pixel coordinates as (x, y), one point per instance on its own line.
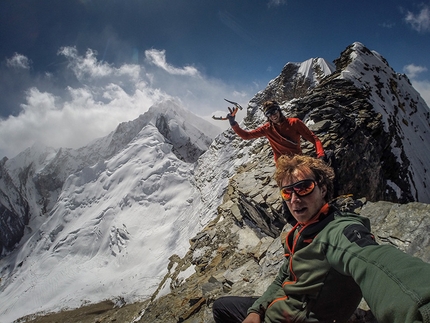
(101, 222)
(127, 203)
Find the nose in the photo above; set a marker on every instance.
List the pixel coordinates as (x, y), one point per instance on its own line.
(294, 196)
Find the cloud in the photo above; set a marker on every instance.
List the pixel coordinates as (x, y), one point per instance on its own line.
(158, 58)
(421, 21)
(413, 70)
(18, 61)
(102, 95)
(88, 67)
(422, 86)
(73, 122)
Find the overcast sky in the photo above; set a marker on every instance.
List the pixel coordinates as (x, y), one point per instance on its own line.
(72, 70)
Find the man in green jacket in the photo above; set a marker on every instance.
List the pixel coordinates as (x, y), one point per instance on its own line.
(331, 262)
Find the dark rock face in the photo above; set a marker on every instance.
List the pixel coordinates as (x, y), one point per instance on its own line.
(183, 148)
(291, 84)
(11, 229)
(14, 213)
(346, 123)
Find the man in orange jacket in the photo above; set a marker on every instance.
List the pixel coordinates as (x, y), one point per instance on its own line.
(283, 133)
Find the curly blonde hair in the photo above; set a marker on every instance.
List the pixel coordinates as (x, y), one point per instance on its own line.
(324, 174)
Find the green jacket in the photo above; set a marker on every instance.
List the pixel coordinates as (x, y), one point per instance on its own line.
(334, 261)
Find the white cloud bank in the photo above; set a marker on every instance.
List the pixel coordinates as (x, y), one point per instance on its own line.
(106, 96)
(90, 111)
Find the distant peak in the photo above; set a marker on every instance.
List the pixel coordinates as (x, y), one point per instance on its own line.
(315, 69)
(295, 80)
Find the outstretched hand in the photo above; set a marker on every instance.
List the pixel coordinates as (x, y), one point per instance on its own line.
(231, 117)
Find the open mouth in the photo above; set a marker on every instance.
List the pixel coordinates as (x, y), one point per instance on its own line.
(301, 210)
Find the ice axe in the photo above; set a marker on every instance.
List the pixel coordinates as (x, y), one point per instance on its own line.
(233, 111)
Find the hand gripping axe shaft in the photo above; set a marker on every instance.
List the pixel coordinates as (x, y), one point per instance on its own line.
(233, 111)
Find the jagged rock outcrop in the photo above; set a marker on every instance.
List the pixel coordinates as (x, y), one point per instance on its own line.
(295, 80)
(369, 116)
(14, 212)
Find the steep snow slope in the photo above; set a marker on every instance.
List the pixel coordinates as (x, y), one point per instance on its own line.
(315, 69)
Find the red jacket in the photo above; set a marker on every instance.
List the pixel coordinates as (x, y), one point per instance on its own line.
(284, 138)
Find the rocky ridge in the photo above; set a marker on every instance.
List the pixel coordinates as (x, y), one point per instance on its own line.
(233, 256)
(240, 251)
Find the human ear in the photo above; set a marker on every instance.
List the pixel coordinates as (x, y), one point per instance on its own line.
(323, 189)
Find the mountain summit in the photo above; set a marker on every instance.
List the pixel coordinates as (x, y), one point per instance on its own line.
(111, 219)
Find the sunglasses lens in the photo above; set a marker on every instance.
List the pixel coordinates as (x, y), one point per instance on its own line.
(271, 112)
(286, 193)
(304, 188)
(301, 188)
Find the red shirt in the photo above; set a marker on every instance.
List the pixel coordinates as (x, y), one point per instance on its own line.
(284, 137)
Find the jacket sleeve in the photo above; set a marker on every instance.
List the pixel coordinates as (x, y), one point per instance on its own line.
(252, 134)
(309, 136)
(395, 285)
(262, 303)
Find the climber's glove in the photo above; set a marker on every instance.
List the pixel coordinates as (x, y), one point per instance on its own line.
(231, 119)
